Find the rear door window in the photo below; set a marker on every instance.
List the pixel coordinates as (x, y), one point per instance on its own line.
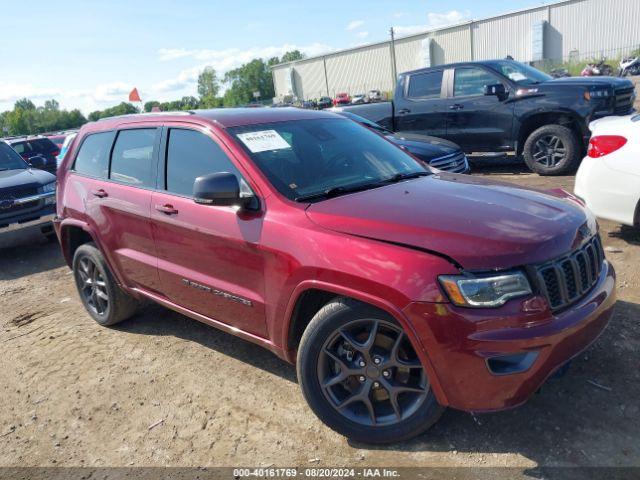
(132, 160)
(424, 86)
(42, 145)
(471, 81)
(93, 157)
(191, 154)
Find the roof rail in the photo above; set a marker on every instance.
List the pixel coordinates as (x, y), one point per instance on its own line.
(148, 114)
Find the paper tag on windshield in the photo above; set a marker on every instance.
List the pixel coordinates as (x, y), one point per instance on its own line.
(517, 76)
(264, 140)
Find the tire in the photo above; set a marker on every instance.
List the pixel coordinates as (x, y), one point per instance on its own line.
(118, 305)
(543, 163)
(416, 412)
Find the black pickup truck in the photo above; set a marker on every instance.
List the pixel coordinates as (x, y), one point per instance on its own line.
(503, 106)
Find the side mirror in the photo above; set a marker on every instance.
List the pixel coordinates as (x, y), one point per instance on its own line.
(37, 162)
(497, 90)
(221, 189)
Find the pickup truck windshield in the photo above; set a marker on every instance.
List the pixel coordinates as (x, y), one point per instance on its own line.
(519, 72)
(9, 159)
(309, 160)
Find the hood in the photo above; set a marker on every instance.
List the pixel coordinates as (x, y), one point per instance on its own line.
(481, 225)
(424, 146)
(588, 82)
(24, 178)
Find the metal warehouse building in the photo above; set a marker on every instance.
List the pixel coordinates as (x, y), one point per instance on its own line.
(561, 31)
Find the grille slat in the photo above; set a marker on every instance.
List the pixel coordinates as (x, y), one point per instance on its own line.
(623, 101)
(455, 162)
(566, 280)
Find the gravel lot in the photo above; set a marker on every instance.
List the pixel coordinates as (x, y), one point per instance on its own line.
(164, 390)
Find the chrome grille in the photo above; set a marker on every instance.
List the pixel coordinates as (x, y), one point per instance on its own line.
(455, 162)
(18, 207)
(567, 279)
(624, 101)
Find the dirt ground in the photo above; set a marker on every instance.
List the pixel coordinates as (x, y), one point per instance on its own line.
(164, 390)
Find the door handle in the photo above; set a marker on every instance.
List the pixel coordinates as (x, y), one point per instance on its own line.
(167, 209)
(402, 111)
(100, 193)
(456, 106)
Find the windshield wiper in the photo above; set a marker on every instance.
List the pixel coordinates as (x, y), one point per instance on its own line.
(337, 191)
(343, 190)
(398, 177)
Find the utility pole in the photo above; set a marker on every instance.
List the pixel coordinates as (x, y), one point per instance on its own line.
(393, 58)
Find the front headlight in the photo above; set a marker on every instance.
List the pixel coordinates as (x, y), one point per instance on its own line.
(48, 188)
(490, 291)
(593, 94)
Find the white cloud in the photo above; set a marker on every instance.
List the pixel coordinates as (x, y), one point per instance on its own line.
(362, 34)
(222, 61)
(353, 24)
(434, 20)
(448, 18)
(399, 14)
(10, 92)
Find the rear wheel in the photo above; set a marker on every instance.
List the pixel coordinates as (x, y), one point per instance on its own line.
(102, 297)
(361, 376)
(552, 150)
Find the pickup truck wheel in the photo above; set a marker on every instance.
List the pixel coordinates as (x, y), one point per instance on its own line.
(361, 376)
(101, 296)
(552, 150)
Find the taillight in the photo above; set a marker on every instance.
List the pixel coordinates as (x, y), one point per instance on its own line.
(55, 153)
(602, 145)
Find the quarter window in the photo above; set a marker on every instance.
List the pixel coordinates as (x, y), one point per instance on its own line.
(190, 155)
(93, 157)
(471, 81)
(132, 158)
(425, 85)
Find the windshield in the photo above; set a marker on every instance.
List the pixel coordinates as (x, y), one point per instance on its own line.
(9, 159)
(519, 72)
(309, 160)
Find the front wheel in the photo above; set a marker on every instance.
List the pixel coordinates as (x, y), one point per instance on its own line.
(552, 150)
(361, 376)
(101, 296)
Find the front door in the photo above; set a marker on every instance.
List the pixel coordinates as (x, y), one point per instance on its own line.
(209, 260)
(475, 121)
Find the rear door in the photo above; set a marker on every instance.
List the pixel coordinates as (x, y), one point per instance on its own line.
(423, 108)
(475, 121)
(114, 174)
(209, 260)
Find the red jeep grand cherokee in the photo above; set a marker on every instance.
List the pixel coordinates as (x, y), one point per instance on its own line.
(396, 289)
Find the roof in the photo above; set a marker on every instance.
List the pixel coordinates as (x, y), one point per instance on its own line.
(224, 117)
(444, 66)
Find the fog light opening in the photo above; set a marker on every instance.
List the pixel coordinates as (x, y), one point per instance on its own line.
(510, 364)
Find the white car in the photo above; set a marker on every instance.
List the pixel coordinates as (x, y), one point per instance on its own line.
(609, 177)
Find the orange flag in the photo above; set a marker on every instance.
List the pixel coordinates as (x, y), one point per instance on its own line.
(134, 96)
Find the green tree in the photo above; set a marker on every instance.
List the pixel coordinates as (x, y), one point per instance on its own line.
(123, 108)
(292, 56)
(24, 104)
(52, 105)
(208, 83)
(254, 76)
(208, 88)
(148, 106)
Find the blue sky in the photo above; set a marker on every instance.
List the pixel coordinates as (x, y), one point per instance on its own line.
(89, 54)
